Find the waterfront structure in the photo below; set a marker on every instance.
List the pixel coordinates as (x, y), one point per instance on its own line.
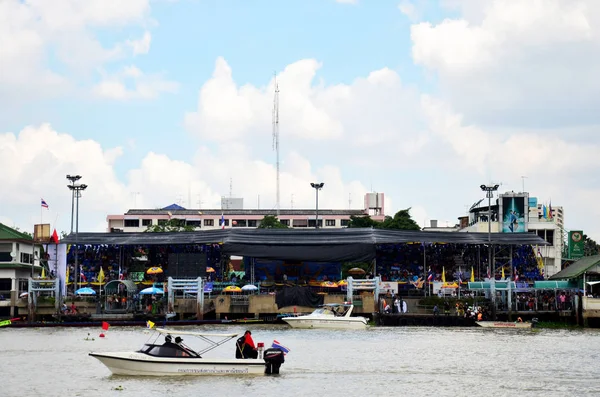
(138, 220)
(517, 212)
(19, 260)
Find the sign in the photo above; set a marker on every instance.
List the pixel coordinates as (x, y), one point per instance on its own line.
(576, 244)
(514, 214)
(385, 286)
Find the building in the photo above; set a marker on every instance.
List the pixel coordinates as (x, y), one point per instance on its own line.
(19, 260)
(138, 220)
(518, 213)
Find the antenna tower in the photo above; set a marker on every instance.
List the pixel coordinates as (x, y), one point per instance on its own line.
(230, 187)
(276, 136)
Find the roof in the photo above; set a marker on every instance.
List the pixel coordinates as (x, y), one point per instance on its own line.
(173, 207)
(217, 212)
(8, 233)
(323, 245)
(577, 268)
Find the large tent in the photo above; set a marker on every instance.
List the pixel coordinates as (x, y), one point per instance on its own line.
(322, 245)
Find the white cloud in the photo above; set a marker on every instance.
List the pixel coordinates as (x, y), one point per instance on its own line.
(347, 1)
(407, 8)
(132, 83)
(141, 46)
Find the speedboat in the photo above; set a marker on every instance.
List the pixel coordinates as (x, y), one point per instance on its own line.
(329, 316)
(504, 324)
(173, 357)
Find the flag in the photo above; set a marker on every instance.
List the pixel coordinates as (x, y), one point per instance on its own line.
(149, 324)
(472, 275)
(503, 277)
(54, 237)
(222, 221)
(67, 275)
(277, 345)
(44, 204)
(105, 325)
(544, 212)
(82, 277)
(430, 277)
(443, 274)
(43, 272)
(516, 275)
(101, 275)
(550, 210)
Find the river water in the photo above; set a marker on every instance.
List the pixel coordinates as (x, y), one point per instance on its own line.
(404, 361)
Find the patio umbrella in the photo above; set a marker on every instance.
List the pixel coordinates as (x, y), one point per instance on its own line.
(357, 270)
(24, 295)
(249, 287)
(209, 269)
(232, 288)
(328, 284)
(342, 283)
(154, 270)
(151, 291)
(85, 291)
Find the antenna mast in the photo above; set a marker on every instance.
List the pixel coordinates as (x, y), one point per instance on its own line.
(276, 136)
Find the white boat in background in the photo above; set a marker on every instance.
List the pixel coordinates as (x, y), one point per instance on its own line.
(330, 316)
(504, 324)
(173, 357)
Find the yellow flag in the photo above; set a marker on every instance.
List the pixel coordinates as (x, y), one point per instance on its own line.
(101, 275)
(149, 324)
(67, 276)
(443, 274)
(503, 273)
(43, 272)
(472, 275)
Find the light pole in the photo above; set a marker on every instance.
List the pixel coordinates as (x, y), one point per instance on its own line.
(73, 179)
(489, 190)
(317, 186)
(76, 189)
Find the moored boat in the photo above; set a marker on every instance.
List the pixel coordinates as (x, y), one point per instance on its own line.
(504, 324)
(330, 316)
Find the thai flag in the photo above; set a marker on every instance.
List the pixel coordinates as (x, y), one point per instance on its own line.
(82, 277)
(277, 345)
(222, 222)
(430, 277)
(44, 204)
(516, 275)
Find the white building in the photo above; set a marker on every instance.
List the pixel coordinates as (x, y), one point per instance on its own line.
(138, 220)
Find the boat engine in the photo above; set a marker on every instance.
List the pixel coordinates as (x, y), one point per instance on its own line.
(273, 359)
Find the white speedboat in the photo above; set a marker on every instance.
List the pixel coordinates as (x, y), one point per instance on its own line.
(173, 357)
(333, 316)
(503, 324)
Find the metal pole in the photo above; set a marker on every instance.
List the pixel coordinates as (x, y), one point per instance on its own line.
(77, 273)
(72, 206)
(317, 210)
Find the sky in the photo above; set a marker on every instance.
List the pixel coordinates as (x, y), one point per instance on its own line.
(155, 102)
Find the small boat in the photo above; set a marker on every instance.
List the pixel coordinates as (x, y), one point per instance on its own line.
(503, 324)
(329, 316)
(173, 357)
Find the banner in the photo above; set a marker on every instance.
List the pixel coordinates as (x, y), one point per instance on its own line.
(57, 262)
(576, 244)
(513, 215)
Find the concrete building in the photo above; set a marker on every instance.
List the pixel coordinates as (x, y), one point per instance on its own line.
(19, 260)
(138, 220)
(545, 220)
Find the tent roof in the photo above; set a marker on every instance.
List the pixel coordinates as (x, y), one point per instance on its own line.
(547, 284)
(577, 268)
(333, 245)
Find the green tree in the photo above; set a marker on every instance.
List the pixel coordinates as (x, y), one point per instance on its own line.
(401, 221)
(271, 222)
(362, 221)
(172, 225)
(590, 247)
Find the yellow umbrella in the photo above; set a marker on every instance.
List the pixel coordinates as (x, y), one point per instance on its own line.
(232, 288)
(342, 282)
(328, 284)
(443, 274)
(209, 269)
(472, 275)
(101, 275)
(154, 270)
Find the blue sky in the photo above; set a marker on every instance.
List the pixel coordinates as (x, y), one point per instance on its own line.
(422, 100)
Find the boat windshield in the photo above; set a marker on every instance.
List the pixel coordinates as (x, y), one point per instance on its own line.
(169, 349)
(330, 311)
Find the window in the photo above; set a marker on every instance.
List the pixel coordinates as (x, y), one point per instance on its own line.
(209, 222)
(285, 222)
(239, 223)
(162, 221)
(312, 223)
(345, 222)
(226, 222)
(146, 222)
(300, 223)
(26, 258)
(132, 223)
(252, 223)
(547, 235)
(195, 224)
(330, 222)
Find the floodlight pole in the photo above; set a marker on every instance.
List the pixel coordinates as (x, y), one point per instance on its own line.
(490, 189)
(77, 189)
(317, 186)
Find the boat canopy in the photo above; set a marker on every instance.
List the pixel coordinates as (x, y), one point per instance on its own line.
(171, 332)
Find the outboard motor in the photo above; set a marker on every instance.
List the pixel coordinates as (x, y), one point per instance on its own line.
(534, 322)
(273, 360)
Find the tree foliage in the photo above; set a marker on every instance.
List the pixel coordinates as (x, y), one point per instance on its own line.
(590, 247)
(400, 221)
(271, 222)
(172, 225)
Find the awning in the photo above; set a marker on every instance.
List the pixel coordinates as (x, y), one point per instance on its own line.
(548, 284)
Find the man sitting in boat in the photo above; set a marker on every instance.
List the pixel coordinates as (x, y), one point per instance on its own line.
(244, 346)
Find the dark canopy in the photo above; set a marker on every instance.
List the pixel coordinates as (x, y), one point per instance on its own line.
(333, 245)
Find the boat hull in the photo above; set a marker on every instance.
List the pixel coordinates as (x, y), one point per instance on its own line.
(502, 324)
(139, 364)
(306, 322)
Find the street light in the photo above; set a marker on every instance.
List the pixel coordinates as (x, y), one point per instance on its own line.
(77, 189)
(73, 179)
(489, 190)
(317, 186)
